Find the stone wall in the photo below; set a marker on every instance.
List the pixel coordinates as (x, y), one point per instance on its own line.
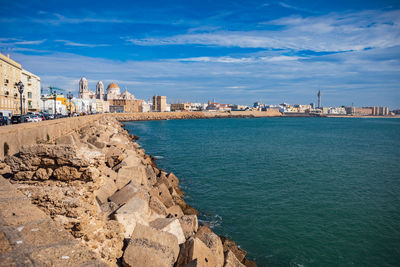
(15, 136)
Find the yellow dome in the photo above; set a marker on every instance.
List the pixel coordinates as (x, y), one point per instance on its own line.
(112, 85)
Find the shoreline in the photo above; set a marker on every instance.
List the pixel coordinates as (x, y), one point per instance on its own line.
(101, 187)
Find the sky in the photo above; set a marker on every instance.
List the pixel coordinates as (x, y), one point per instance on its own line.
(231, 51)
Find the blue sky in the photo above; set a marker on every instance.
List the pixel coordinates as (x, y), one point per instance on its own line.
(233, 51)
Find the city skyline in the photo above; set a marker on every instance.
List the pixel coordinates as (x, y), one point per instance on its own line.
(265, 51)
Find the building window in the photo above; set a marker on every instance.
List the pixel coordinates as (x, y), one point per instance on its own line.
(29, 94)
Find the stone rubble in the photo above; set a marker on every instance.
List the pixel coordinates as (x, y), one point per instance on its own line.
(103, 188)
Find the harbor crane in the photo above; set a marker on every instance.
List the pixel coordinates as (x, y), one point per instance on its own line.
(53, 89)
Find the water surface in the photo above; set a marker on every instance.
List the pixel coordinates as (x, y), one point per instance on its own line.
(290, 191)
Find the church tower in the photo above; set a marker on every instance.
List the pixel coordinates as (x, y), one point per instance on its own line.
(100, 90)
(83, 88)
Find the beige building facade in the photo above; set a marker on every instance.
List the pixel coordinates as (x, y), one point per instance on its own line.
(31, 91)
(159, 103)
(10, 74)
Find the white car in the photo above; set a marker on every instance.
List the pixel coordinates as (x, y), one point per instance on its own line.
(28, 119)
(37, 118)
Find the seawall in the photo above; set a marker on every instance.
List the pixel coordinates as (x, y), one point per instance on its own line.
(13, 137)
(100, 187)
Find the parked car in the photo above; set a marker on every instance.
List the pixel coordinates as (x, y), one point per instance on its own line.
(36, 118)
(46, 116)
(17, 119)
(4, 120)
(28, 118)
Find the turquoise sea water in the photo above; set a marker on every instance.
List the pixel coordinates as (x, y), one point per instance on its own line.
(290, 191)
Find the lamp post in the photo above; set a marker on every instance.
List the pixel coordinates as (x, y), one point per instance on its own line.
(23, 103)
(70, 96)
(55, 103)
(20, 87)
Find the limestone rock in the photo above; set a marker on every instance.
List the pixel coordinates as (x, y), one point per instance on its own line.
(231, 260)
(189, 210)
(173, 180)
(90, 174)
(151, 175)
(189, 225)
(66, 173)
(136, 210)
(43, 174)
(124, 195)
(127, 174)
(151, 247)
(249, 263)
(175, 211)
(171, 226)
(16, 164)
(23, 175)
(157, 206)
(65, 140)
(230, 245)
(212, 241)
(161, 191)
(194, 249)
(106, 190)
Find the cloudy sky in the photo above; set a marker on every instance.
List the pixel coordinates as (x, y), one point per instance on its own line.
(233, 51)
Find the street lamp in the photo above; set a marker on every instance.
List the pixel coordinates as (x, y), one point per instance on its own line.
(70, 96)
(23, 103)
(20, 87)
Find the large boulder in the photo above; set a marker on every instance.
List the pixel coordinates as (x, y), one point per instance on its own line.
(124, 195)
(189, 225)
(213, 242)
(175, 211)
(230, 245)
(151, 247)
(173, 180)
(151, 175)
(106, 190)
(157, 206)
(136, 210)
(161, 191)
(231, 260)
(194, 249)
(249, 263)
(127, 174)
(171, 226)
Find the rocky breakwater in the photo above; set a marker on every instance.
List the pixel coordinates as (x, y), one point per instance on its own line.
(102, 187)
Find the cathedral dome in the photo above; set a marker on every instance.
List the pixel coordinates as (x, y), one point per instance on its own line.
(112, 85)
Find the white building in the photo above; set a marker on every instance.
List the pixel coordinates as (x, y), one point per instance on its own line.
(84, 105)
(31, 91)
(48, 104)
(147, 106)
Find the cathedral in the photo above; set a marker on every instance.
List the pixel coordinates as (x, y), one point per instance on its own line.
(113, 92)
(111, 100)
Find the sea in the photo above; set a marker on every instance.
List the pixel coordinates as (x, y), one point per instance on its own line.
(289, 191)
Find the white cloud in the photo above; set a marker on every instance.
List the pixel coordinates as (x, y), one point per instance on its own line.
(249, 59)
(70, 43)
(16, 41)
(352, 77)
(332, 32)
